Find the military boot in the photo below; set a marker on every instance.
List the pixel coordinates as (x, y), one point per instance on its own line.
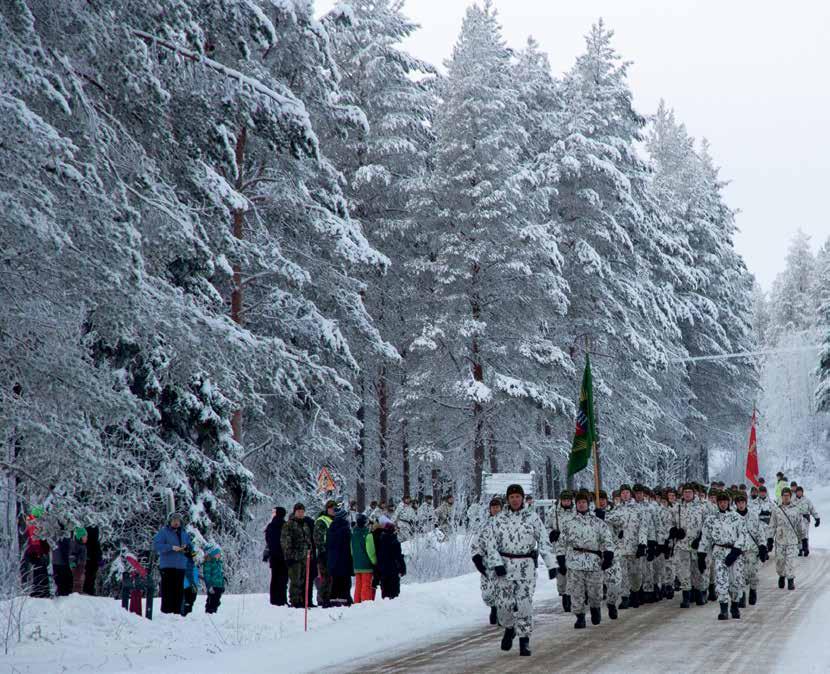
(580, 621)
(781, 582)
(712, 594)
(566, 603)
(790, 583)
(724, 608)
(612, 611)
(507, 639)
(669, 592)
(753, 597)
(524, 645)
(624, 604)
(596, 616)
(493, 616)
(677, 584)
(734, 610)
(634, 600)
(700, 597)
(687, 596)
(742, 601)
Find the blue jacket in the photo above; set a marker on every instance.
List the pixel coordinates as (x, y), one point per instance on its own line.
(339, 548)
(191, 575)
(163, 544)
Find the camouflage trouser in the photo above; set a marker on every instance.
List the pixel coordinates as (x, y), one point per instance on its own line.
(710, 562)
(561, 583)
(632, 573)
(582, 584)
(296, 580)
(667, 577)
(785, 559)
(613, 583)
(751, 565)
(729, 580)
(514, 596)
(324, 586)
(488, 590)
(686, 569)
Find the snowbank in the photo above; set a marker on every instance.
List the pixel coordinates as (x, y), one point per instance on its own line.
(809, 650)
(79, 633)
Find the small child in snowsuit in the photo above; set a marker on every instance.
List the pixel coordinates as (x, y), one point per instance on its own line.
(191, 582)
(214, 578)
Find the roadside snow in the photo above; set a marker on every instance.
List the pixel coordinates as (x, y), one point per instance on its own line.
(80, 633)
(809, 650)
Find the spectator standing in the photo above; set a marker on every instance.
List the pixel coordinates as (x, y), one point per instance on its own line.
(36, 554)
(78, 563)
(363, 561)
(321, 530)
(391, 566)
(339, 558)
(170, 543)
(279, 571)
(214, 575)
(295, 540)
(93, 559)
(69, 554)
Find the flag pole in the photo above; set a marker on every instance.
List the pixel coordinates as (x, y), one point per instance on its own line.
(594, 447)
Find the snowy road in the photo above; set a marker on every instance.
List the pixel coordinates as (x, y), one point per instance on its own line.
(660, 637)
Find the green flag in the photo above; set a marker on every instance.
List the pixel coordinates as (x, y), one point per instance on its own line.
(586, 430)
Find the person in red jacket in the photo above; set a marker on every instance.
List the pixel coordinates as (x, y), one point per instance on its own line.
(36, 555)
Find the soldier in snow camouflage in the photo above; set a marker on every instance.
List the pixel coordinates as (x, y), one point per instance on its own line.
(513, 541)
(723, 541)
(488, 576)
(556, 519)
(589, 551)
(626, 521)
(807, 511)
(686, 532)
(612, 576)
(787, 535)
(756, 551)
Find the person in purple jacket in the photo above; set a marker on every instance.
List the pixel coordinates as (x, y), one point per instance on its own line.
(171, 543)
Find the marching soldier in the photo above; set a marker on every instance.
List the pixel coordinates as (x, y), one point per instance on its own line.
(406, 519)
(686, 533)
(787, 534)
(488, 594)
(612, 576)
(557, 517)
(513, 541)
(807, 511)
(756, 551)
(626, 522)
(724, 541)
(589, 551)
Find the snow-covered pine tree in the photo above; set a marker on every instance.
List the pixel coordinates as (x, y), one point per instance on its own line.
(488, 270)
(792, 299)
(379, 166)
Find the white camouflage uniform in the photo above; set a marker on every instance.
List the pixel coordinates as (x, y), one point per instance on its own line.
(689, 518)
(406, 521)
(722, 532)
(585, 537)
(519, 533)
(807, 511)
(664, 562)
(626, 521)
(755, 531)
(787, 531)
(426, 517)
(488, 582)
(557, 517)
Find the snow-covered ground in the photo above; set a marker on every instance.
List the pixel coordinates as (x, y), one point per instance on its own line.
(80, 633)
(809, 650)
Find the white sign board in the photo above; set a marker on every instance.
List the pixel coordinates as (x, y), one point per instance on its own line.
(496, 484)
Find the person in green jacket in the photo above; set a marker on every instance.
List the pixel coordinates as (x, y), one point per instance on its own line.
(780, 483)
(364, 559)
(214, 576)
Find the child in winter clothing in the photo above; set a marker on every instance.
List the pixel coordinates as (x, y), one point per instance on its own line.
(191, 582)
(214, 578)
(391, 566)
(363, 554)
(68, 562)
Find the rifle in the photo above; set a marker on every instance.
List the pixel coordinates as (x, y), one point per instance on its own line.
(789, 521)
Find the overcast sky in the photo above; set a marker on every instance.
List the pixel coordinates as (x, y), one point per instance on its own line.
(751, 76)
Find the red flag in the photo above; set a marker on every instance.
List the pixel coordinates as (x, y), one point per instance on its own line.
(752, 456)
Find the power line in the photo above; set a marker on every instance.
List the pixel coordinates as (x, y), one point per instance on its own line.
(747, 354)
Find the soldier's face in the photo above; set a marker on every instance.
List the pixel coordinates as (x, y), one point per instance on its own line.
(566, 503)
(625, 495)
(671, 497)
(495, 510)
(723, 506)
(603, 503)
(785, 498)
(639, 496)
(299, 514)
(688, 495)
(516, 501)
(582, 505)
(741, 506)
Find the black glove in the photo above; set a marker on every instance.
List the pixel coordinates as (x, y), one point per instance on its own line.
(769, 545)
(673, 533)
(607, 560)
(818, 522)
(804, 547)
(500, 571)
(652, 550)
(667, 551)
(560, 562)
(554, 535)
(681, 533)
(266, 555)
(696, 542)
(701, 562)
(762, 553)
(641, 550)
(620, 535)
(599, 512)
(733, 555)
(806, 517)
(478, 562)
(551, 573)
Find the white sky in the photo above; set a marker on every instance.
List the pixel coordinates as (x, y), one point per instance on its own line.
(751, 76)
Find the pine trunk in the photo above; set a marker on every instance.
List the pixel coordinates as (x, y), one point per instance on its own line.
(236, 293)
(478, 408)
(360, 454)
(405, 470)
(383, 432)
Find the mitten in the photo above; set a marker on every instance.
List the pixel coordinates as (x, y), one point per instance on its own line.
(560, 562)
(641, 550)
(733, 555)
(554, 535)
(607, 560)
(701, 562)
(478, 562)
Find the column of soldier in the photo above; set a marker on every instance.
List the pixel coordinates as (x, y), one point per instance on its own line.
(641, 546)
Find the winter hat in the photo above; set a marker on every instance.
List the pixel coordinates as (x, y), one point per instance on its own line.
(625, 487)
(496, 501)
(361, 520)
(340, 514)
(38, 511)
(298, 506)
(603, 494)
(80, 532)
(385, 522)
(799, 488)
(279, 511)
(566, 494)
(213, 550)
(582, 495)
(762, 489)
(786, 490)
(722, 496)
(639, 487)
(331, 503)
(515, 489)
(174, 516)
(740, 496)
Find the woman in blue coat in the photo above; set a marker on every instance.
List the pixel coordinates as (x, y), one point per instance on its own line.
(172, 543)
(339, 558)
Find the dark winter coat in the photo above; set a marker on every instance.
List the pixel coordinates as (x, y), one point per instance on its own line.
(273, 532)
(339, 547)
(93, 545)
(69, 552)
(163, 544)
(388, 550)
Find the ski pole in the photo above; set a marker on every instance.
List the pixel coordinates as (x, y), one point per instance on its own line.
(307, 572)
